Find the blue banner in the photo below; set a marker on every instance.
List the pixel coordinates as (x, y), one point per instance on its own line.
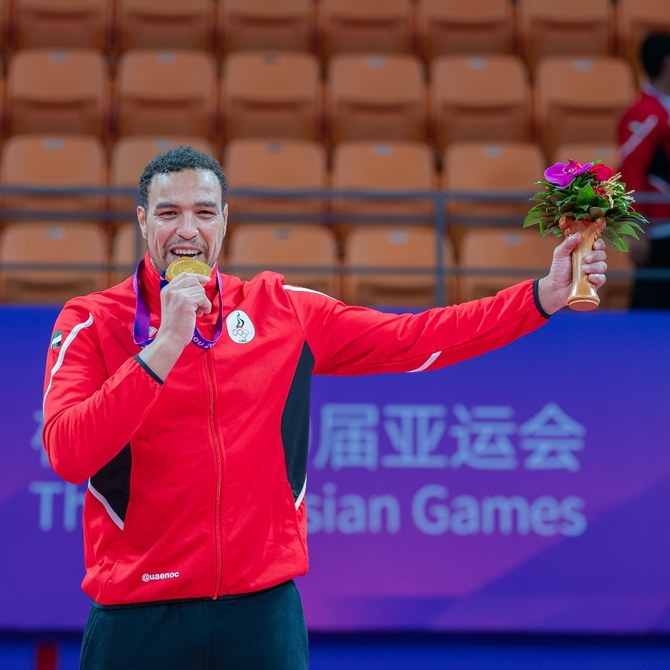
(526, 490)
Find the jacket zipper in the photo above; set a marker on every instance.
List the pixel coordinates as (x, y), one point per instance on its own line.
(219, 462)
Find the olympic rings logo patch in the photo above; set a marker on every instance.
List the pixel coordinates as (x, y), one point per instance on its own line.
(240, 327)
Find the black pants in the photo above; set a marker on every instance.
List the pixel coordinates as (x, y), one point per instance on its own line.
(260, 631)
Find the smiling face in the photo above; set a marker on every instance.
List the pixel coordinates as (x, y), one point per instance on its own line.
(185, 216)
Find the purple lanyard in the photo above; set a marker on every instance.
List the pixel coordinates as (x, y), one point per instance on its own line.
(143, 316)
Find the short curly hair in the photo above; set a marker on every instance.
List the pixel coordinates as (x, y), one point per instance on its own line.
(177, 160)
(654, 51)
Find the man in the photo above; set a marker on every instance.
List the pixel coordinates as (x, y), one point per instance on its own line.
(644, 148)
(185, 404)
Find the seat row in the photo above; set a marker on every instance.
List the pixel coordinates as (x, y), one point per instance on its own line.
(363, 96)
(532, 28)
(401, 266)
(70, 174)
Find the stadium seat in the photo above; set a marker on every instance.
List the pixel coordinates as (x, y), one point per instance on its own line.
(306, 254)
(406, 257)
(271, 95)
(164, 24)
(480, 98)
(373, 26)
(166, 93)
(60, 246)
(58, 91)
(387, 167)
(75, 23)
(376, 97)
(264, 25)
(508, 169)
(493, 258)
(635, 20)
(585, 152)
(129, 155)
(275, 164)
(571, 28)
(581, 99)
(476, 27)
(6, 21)
(68, 161)
(127, 249)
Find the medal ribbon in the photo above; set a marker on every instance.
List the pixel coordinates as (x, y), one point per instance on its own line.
(143, 316)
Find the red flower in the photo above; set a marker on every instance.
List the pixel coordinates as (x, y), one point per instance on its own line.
(601, 171)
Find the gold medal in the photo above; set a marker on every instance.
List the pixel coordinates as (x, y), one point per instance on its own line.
(190, 265)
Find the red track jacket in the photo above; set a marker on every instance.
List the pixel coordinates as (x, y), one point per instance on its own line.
(644, 148)
(196, 484)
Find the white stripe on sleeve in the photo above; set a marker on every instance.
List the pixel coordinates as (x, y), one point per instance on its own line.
(428, 363)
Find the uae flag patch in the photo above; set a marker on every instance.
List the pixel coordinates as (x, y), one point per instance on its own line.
(57, 339)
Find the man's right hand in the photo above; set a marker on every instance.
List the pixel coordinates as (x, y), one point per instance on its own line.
(182, 301)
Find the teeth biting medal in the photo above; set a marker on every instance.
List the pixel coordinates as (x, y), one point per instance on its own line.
(188, 265)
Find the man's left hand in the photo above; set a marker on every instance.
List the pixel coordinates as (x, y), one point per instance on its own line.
(554, 289)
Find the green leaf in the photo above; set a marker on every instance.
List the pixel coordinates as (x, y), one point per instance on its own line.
(623, 228)
(585, 196)
(620, 244)
(612, 239)
(635, 216)
(534, 216)
(596, 212)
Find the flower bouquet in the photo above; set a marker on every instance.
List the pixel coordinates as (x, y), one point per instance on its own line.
(588, 198)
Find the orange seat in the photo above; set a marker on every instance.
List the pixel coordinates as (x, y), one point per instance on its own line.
(396, 265)
(58, 91)
(581, 99)
(373, 26)
(166, 93)
(387, 167)
(571, 28)
(264, 25)
(586, 152)
(480, 98)
(494, 258)
(275, 164)
(271, 95)
(6, 22)
(507, 169)
(306, 254)
(129, 155)
(67, 161)
(475, 27)
(164, 24)
(635, 20)
(128, 247)
(62, 247)
(376, 97)
(76, 23)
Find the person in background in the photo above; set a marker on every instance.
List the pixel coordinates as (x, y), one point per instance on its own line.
(644, 151)
(183, 400)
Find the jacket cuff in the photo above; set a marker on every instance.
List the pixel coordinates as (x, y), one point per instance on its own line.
(536, 298)
(148, 370)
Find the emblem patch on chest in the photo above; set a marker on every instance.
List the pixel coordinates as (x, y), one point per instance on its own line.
(239, 326)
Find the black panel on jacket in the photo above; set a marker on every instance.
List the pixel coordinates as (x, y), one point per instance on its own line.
(295, 421)
(112, 481)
